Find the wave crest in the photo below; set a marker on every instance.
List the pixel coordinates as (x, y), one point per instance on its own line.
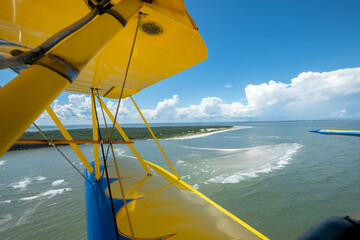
(252, 162)
(49, 194)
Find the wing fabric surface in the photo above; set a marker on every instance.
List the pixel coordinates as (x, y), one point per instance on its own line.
(338, 132)
(178, 46)
(160, 207)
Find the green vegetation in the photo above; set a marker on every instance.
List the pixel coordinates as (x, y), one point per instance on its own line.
(132, 132)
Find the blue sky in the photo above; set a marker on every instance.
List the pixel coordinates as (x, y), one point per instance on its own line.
(268, 60)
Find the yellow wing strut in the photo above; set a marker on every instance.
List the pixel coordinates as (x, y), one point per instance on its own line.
(153, 135)
(24, 98)
(95, 136)
(125, 137)
(67, 136)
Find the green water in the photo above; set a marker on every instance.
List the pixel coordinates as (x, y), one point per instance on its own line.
(276, 176)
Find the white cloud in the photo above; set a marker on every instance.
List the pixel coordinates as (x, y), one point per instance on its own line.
(79, 107)
(165, 109)
(311, 95)
(213, 107)
(126, 108)
(228, 86)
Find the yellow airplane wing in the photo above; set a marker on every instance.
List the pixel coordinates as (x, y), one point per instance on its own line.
(167, 43)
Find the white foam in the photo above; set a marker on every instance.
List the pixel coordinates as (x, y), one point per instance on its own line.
(22, 184)
(253, 173)
(180, 162)
(284, 160)
(119, 152)
(40, 178)
(186, 177)
(49, 194)
(58, 182)
(216, 149)
(2, 162)
(235, 178)
(6, 201)
(196, 187)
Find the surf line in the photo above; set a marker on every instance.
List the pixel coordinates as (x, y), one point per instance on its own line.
(205, 134)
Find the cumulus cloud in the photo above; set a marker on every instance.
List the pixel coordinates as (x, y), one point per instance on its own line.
(311, 95)
(165, 109)
(78, 107)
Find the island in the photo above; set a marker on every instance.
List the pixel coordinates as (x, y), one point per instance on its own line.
(134, 133)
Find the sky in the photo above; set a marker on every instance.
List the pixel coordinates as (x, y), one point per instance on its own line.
(267, 60)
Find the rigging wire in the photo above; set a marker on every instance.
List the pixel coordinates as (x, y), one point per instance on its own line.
(113, 128)
(346, 122)
(125, 77)
(105, 166)
(67, 159)
(117, 171)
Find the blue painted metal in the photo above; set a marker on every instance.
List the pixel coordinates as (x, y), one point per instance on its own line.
(100, 223)
(335, 132)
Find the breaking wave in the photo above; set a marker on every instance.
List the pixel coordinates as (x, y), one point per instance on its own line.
(40, 178)
(118, 152)
(49, 194)
(58, 182)
(2, 162)
(21, 184)
(237, 164)
(252, 162)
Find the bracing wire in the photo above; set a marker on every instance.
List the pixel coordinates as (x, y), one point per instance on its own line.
(105, 166)
(117, 172)
(124, 82)
(346, 122)
(67, 159)
(112, 131)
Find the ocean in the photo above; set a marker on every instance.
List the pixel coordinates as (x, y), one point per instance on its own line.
(276, 176)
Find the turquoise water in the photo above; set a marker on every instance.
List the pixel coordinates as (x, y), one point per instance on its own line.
(276, 176)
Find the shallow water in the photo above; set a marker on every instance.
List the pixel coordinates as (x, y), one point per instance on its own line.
(276, 176)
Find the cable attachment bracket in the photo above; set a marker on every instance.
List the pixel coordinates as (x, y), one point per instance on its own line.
(59, 65)
(117, 16)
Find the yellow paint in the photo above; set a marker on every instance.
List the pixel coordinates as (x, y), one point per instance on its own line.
(155, 58)
(125, 137)
(154, 137)
(341, 131)
(164, 206)
(159, 169)
(95, 136)
(23, 99)
(67, 136)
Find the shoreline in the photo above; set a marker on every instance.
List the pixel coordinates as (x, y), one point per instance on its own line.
(205, 134)
(134, 134)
